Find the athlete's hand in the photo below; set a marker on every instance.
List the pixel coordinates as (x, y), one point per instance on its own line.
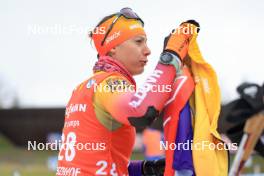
(156, 167)
(178, 40)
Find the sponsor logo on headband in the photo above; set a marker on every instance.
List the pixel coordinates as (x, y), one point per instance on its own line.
(112, 37)
(134, 26)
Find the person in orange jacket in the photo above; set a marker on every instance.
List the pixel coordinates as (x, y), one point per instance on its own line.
(152, 139)
(103, 111)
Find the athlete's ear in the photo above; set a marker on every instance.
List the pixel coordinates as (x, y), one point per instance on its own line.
(112, 52)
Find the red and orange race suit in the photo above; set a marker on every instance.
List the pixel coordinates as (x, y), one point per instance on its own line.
(99, 133)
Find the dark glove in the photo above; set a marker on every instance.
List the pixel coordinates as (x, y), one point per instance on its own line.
(178, 40)
(153, 168)
(195, 23)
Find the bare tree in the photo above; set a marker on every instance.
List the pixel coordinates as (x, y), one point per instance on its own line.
(8, 95)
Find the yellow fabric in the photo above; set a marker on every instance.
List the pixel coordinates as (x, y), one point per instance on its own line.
(207, 103)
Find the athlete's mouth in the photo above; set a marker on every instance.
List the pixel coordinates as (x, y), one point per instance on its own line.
(143, 62)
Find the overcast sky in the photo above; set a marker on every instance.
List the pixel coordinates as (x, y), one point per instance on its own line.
(45, 51)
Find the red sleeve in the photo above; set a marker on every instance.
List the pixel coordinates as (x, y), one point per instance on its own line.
(126, 106)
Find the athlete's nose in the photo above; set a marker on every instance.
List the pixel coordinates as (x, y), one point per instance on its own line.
(146, 51)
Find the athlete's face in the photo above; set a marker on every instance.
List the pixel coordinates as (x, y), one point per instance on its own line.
(133, 54)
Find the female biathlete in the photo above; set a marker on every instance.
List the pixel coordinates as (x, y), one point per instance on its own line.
(103, 111)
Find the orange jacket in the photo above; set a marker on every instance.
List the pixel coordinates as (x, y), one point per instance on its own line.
(92, 148)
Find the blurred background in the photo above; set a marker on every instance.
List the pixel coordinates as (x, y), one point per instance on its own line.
(46, 52)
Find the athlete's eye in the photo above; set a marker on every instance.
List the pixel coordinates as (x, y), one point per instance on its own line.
(139, 40)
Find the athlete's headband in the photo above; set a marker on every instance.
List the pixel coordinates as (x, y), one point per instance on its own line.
(122, 26)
